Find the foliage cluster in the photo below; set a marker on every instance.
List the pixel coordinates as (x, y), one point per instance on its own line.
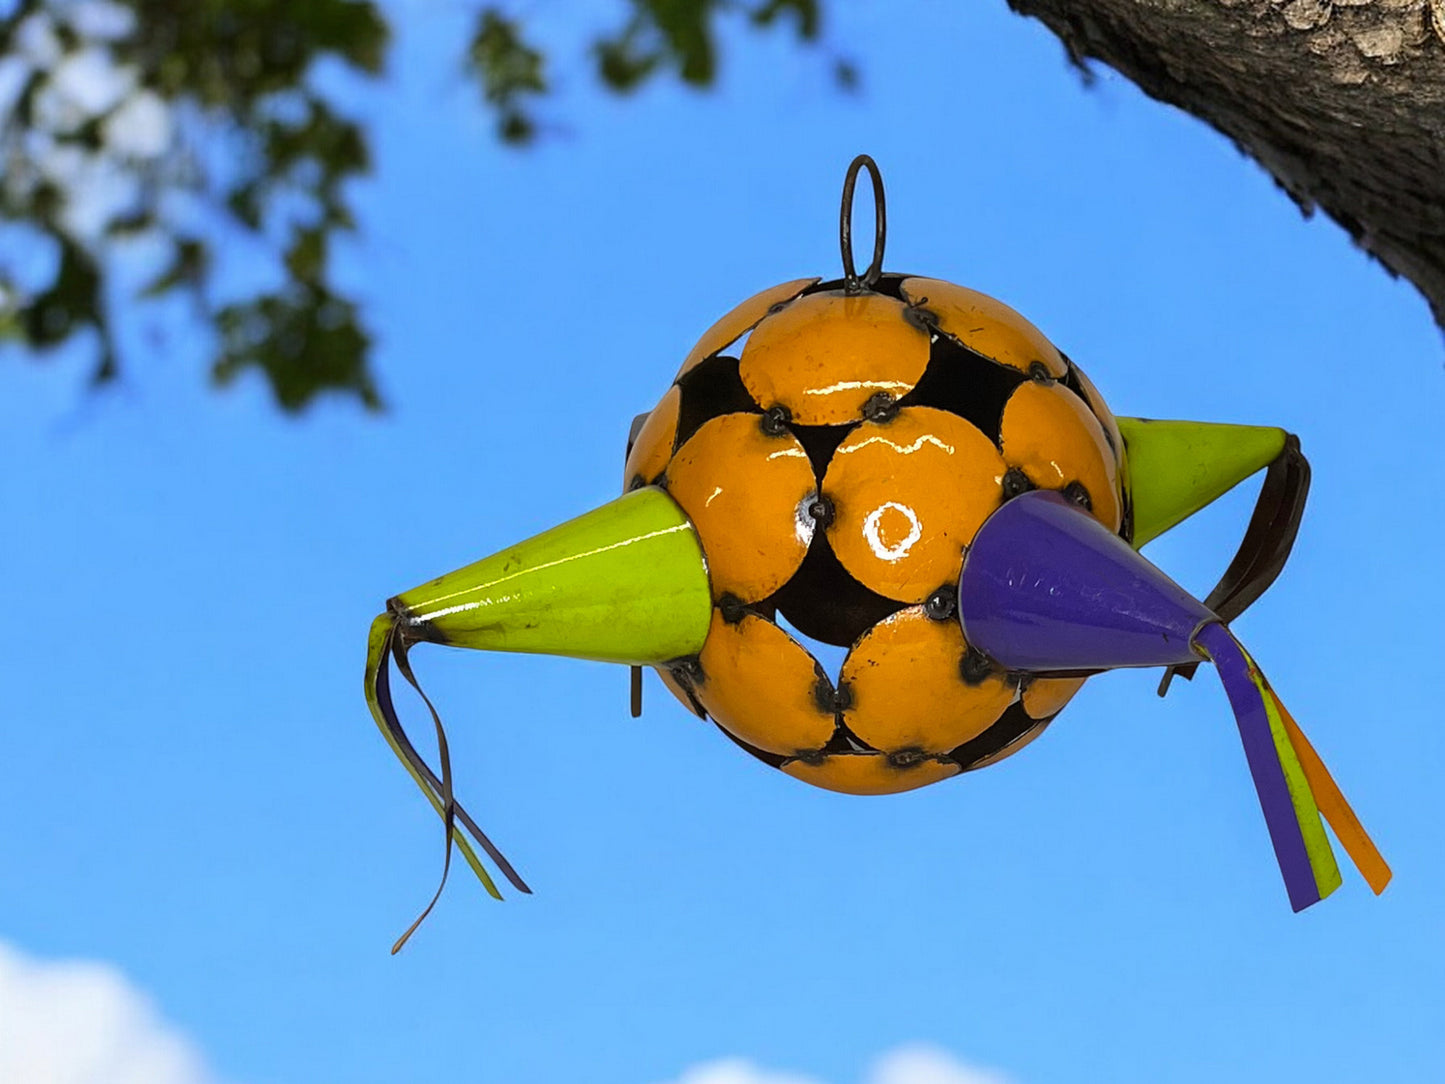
(175, 127)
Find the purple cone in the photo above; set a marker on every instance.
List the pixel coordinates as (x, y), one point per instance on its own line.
(1046, 586)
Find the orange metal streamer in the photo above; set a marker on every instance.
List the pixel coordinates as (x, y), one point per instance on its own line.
(1333, 807)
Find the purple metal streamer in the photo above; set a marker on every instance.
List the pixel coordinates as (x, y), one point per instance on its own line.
(1264, 765)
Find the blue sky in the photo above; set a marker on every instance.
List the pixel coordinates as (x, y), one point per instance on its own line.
(194, 794)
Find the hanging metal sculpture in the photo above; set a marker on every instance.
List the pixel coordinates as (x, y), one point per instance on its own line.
(909, 469)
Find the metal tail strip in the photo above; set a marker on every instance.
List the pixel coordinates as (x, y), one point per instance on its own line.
(1271, 783)
(383, 643)
(1337, 812)
(1317, 843)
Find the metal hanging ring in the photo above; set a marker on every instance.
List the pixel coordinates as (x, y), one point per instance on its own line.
(851, 281)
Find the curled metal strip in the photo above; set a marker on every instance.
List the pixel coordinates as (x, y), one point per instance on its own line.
(438, 790)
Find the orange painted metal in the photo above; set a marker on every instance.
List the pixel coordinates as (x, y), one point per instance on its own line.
(1109, 422)
(905, 491)
(1024, 739)
(825, 355)
(985, 325)
(1049, 434)
(653, 447)
(1332, 805)
(1046, 697)
(869, 773)
(908, 495)
(676, 688)
(741, 320)
(761, 685)
(905, 689)
(745, 491)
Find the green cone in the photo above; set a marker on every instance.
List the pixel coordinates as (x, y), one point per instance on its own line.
(1176, 468)
(624, 583)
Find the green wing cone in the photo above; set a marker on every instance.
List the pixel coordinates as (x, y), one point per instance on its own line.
(1176, 468)
(625, 583)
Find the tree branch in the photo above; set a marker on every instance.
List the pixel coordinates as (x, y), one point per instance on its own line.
(1342, 102)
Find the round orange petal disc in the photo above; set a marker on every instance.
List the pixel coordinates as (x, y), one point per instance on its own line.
(653, 446)
(908, 496)
(905, 690)
(761, 685)
(1049, 434)
(740, 320)
(745, 490)
(827, 354)
(985, 325)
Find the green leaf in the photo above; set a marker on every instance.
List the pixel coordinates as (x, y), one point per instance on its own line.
(510, 72)
(70, 303)
(245, 202)
(805, 12)
(685, 27)
(190, 263)
(305, 341)
(306, 258)
(130, 224)
(257, 134)
(622, 64)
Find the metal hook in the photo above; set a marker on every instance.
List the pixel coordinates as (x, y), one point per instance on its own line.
(851, 282)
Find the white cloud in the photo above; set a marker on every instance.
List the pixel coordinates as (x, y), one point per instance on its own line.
(923, 1064)
(737, 1071)
(77, 1022)
(913, 1064)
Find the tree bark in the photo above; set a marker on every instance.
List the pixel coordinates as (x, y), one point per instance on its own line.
(1342, 102)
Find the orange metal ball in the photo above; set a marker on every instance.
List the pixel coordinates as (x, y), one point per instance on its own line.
(836, 446)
